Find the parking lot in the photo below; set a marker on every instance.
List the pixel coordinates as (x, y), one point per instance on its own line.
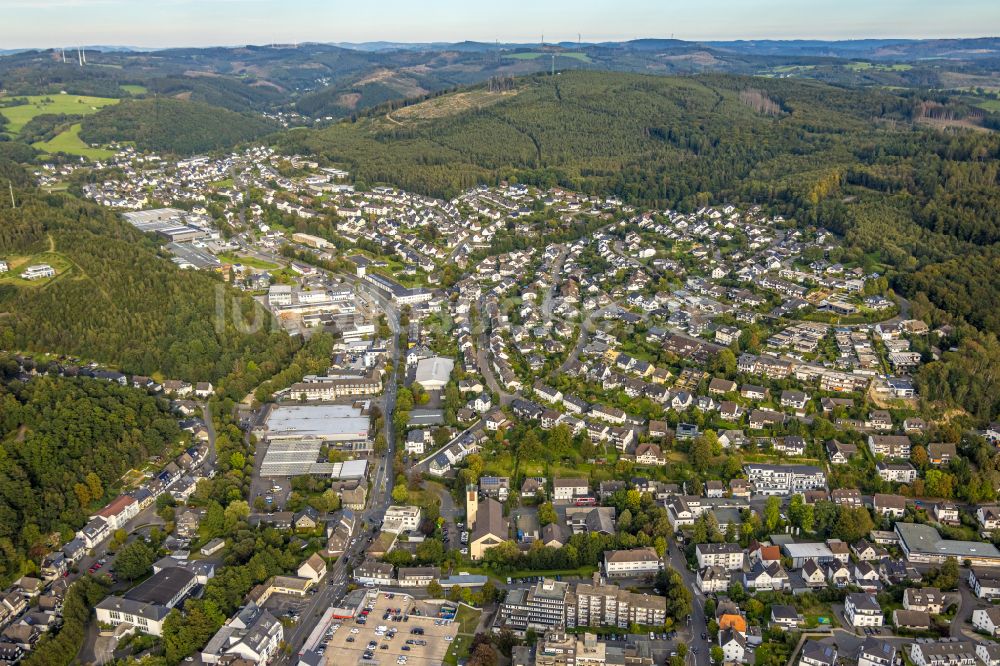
(387, 635)
(286, 605)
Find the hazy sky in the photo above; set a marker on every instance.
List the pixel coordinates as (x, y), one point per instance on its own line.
(156, 23)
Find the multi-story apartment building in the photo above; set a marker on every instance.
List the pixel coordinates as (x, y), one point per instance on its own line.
(599, 604)
(634, 562)
(726, 555)
(862, 610)
(566, 489)
(400, 519)
(784, 479)
(943, 653)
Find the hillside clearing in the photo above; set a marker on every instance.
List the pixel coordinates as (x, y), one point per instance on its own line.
(68, 141)
(80, 105)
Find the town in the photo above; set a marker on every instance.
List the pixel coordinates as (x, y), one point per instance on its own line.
(598, 434)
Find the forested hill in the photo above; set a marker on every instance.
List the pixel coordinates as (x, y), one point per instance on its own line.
(64, 444)
(116, 300)
(918, 196)
(172, 125)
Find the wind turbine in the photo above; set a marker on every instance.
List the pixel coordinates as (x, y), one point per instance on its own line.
(79, 56)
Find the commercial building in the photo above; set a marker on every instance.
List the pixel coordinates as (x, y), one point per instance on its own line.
(147, 605)
(332, 389)
(922, 543)
(400, 519)
(252, 634)
(540, 607)
(296, 433)
(417, 576)
(433, 373)
(397, 292)
(566, 489)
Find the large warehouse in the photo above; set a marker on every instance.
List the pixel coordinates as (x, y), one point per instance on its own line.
(433, 373)
(332, 424)
(296, 434)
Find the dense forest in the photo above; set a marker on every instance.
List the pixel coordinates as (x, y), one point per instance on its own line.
(919, 203)
(64, 444)
(172, 125)
(118, 300)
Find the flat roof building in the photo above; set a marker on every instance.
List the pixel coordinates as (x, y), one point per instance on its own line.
(923, 543)
(433, 373)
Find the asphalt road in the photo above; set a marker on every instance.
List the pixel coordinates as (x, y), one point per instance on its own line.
(333, 586)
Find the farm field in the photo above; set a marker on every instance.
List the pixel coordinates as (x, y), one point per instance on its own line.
(68, 141)
(582, 57)
(861, 66)
(133, 89)
(18, 116)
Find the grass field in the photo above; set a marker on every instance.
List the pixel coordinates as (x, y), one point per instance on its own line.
(582, 57)
(253, 262)
(18, 116)
(17, 264)
(69, 142)
(989, 104)
(133, 89)
(468, 620)
(785, 69)
(861, 66)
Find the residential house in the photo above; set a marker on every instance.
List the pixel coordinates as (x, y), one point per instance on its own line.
(987, 620)
(815, 653)
(927, 599)
(839, 452)
(862, 610)
(893, 506)
(896, 472)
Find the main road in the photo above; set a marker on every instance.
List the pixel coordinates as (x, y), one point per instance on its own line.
(334, 585)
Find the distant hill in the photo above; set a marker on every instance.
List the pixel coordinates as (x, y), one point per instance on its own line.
(172, 125)
(599, 131)
(880, 49)
(340, 80)
(860, 162)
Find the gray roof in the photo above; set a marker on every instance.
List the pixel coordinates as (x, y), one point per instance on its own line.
(153, 612)
(925, 539)
(863, 601)
(489, 520)
(161, 587)
(819, 652)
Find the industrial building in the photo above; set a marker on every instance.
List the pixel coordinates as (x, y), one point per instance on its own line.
(923, 543)
(433, 373)
(397, 292)
(296, 434)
